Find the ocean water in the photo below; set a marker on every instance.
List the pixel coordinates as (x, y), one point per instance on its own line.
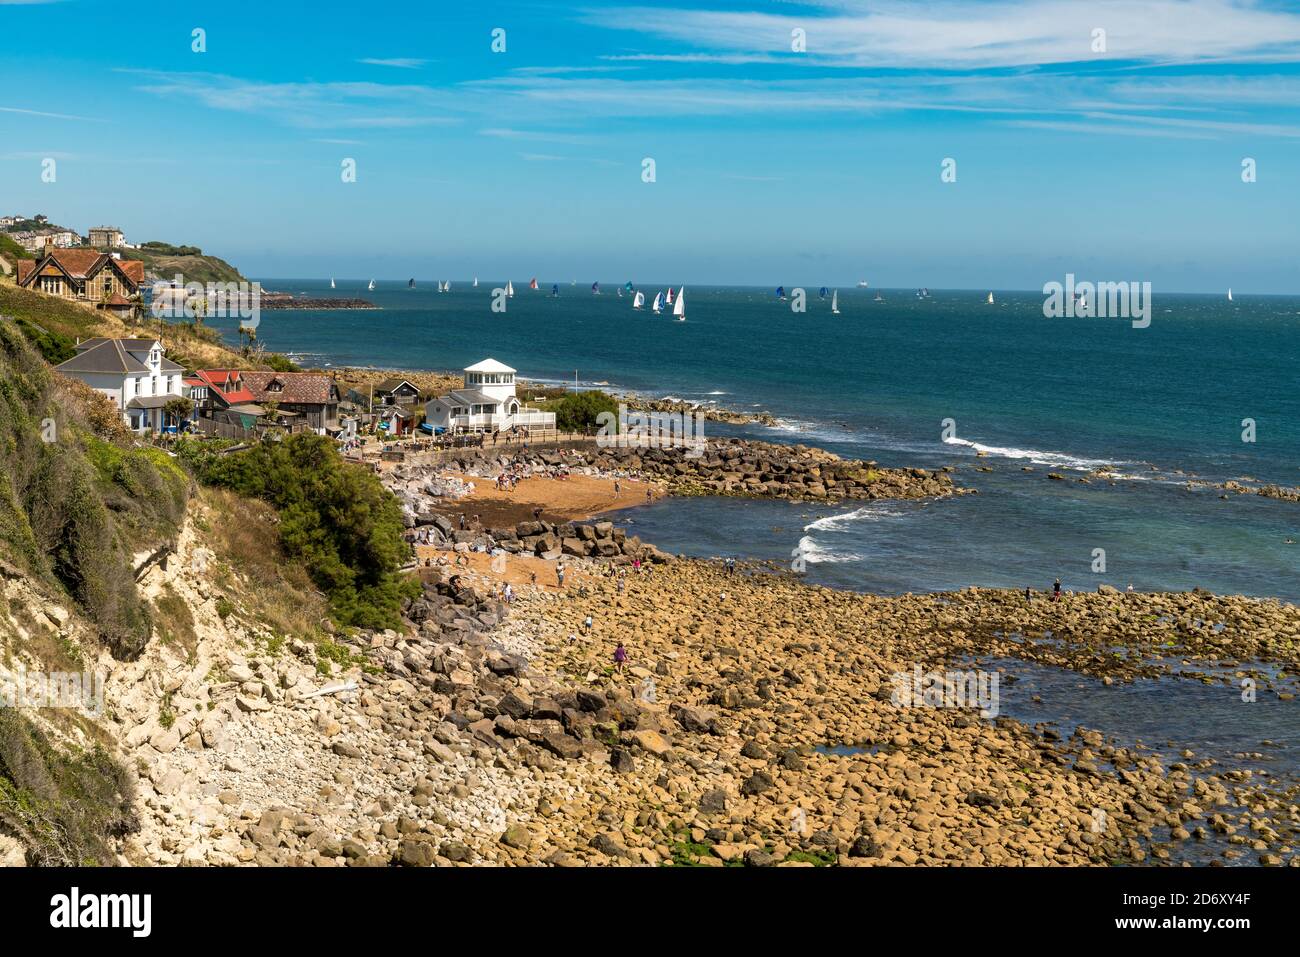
(1161, 404)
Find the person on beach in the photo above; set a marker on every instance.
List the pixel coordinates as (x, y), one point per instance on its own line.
(537, 514)
(620, 656)
(1056, 591)
(1029, 596)
(616, 488)
(649, 495)
(509, 593)
(559, 574)
(586, 625)
(462, 521)
(731, 566)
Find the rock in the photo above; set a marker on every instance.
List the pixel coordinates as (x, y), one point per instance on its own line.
(757, 857)
(518, 837)
(864, 846)
(757, 783)
(652, 742)
(345, 750)
(415, 854)
(713, 802)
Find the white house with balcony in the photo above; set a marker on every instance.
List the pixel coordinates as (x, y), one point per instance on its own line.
(487, 403)
(134, 373)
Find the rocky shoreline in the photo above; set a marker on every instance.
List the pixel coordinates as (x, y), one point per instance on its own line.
(732, 467)
(756, 725)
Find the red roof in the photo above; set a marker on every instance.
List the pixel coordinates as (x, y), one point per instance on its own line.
(300, 388)
(226, 384)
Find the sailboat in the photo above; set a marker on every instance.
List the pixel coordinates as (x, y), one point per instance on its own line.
(619, 290)
(447, 287)
(533, 284)
(780, 293)
(879, 298)
(679, 308)
(332, 286)
(371, 287)
(510, 289)
(659, 303)
(410, 284)
(862, 284)
(639, 301)
(595, 289)
(476, 282)
(669, 300)
(628, 287)
(835, 303)
(1229, 294)
(555, 290)
(990, 299)
(822, 293)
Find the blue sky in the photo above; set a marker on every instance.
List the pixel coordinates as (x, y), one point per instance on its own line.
(772, 166)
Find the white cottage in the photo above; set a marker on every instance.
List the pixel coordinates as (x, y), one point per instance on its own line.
(133, 373)
(487, 403)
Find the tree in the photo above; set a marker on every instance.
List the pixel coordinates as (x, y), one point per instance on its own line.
(579, 411)
(178, 409)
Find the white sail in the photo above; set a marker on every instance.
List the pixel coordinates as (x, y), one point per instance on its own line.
(372, 285)
(835, 302)
(447, 287)
(476, 282)
(679, 307)
(510, 289)
(332, 286)
(1229, 294)
(990, 299)
(659, 302)
(639, 301)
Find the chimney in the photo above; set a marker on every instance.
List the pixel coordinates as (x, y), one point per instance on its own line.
(49, 245)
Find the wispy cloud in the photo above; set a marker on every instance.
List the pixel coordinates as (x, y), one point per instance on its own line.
(401, 63)
(52, 116)
(962, 34)
(308, 104)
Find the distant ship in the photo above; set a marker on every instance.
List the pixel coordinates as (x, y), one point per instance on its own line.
(879, 298)
(595, 289)
(822, 293)
(533, 284)
(628, 287)
(835, 303)
(679, 309)
(780, 293)
(990, 299)
(510, 289)
(1229, 294)
(332, 286)
(862, 284)
(476, 282)
(555, 290)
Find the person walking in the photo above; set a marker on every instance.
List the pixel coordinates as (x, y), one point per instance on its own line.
(620, 657)
(1056, 591)
(559, 574)
(586, 625)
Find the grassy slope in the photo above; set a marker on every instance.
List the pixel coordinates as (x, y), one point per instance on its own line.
(202, 269)
(188, 345)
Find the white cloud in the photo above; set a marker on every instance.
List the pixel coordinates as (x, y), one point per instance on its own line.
(961, 34)
(402, 63)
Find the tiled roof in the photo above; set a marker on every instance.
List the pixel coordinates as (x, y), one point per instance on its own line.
(82, 264)
(309, 388)
(222, 382)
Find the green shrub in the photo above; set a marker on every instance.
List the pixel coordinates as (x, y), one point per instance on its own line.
(336, 518)
(580, 410)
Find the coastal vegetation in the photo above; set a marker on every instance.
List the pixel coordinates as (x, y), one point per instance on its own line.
(336, 518)
(167, 261)
(580, 411)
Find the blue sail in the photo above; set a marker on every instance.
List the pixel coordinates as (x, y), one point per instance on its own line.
(595, 287)
(822, 294)
(628, 287)
(555, 290)
(780, 292)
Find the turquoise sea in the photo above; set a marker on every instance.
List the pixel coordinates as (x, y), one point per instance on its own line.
(1161, 404)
